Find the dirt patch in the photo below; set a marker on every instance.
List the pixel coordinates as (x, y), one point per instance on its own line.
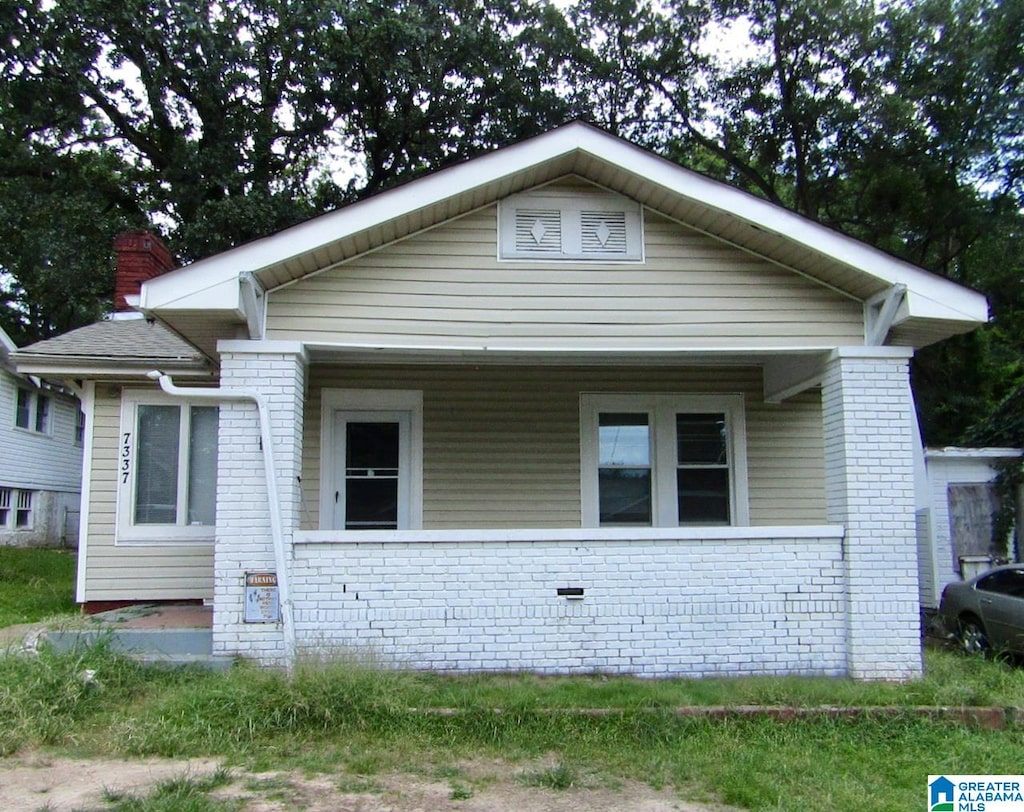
(35, 781)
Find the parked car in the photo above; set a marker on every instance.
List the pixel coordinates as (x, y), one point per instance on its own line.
(986, 613)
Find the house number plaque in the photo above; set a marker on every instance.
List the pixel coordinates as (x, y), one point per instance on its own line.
(261, 602)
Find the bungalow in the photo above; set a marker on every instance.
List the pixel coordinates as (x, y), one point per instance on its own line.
(563, 407)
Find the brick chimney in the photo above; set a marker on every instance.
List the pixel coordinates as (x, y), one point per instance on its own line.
(140, 256)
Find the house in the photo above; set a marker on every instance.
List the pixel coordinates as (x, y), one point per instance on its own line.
(41, 431)
(957, 533)
(564, 407)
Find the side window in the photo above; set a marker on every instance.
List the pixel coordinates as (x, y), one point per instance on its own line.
(167, 469)
(16, 509)
(23, 410)
(32, 411)
(1004, 582)
(663, 460)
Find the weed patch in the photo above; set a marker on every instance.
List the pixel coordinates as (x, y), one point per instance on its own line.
(35, 584)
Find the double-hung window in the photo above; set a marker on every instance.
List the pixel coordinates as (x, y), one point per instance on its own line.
(32, 411)
(167, 469)
(653, 460)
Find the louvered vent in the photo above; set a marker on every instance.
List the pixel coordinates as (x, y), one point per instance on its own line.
(539, 231)
(603, 233)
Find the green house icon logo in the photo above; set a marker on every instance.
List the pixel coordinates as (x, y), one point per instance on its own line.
(940, 795)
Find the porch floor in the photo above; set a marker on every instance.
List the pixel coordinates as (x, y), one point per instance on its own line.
(169, 634)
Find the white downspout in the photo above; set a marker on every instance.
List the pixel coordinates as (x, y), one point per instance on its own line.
(270, 471)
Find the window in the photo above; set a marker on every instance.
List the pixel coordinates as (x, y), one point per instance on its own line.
(23, 511)
(167, 475)
(79, 427)
(16, 509)
(32, 411)
(558, 225)
(1004, 582)
(371, 460)
(663, 460)
(23, 412)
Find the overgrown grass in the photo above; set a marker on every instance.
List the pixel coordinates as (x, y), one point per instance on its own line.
(35, 584)
(354, 721)
(181, 794)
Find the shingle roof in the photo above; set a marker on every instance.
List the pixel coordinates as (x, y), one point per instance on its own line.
(118, 341)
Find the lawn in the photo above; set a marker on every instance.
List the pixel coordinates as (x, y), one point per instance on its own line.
(344, 719)
(35, 584)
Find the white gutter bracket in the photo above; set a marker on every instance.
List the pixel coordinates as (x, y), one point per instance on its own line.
(281, 561)
(880, 314)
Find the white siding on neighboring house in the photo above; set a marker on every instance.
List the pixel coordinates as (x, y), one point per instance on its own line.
(502, 444)
(446, 286)
(140, 571)
(41, 469)
(51, 460)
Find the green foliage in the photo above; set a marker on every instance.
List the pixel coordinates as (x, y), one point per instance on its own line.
(217, 123)
(46, 698)
(35, 584)
(356, 720)
(181, 794)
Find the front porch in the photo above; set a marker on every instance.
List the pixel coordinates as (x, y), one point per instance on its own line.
(816, 574)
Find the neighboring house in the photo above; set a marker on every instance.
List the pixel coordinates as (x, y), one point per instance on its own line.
(564, 407)
(957, 535)
(41, 432)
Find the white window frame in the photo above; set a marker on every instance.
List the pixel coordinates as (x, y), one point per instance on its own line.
(370, 404)
(33, 414)
(570, 207)
(127, 530)
(14, 501)
(662, 409)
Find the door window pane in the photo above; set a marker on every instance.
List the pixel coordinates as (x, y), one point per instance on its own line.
(202, 466)
(371, 475)
(624, 469)
(156, 484)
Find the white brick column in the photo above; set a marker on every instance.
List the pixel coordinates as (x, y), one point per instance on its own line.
(277, 371)
(867, 407)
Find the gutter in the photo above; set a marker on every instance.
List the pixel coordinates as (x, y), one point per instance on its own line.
(223, 395)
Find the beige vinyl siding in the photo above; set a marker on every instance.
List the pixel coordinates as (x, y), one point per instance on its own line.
(153, 571)
(446, 286)
(502, 445)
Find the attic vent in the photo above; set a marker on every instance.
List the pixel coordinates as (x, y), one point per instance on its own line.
(538, 230)
(603, 233)
(571, 226)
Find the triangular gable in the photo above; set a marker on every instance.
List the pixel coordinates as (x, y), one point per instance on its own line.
(931, 308)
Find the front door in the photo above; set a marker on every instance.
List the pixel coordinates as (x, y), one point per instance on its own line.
(371, 470)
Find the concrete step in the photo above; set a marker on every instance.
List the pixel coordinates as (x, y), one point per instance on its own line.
(170, 646)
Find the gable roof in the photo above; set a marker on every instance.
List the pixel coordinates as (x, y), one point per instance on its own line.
(206, 299)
